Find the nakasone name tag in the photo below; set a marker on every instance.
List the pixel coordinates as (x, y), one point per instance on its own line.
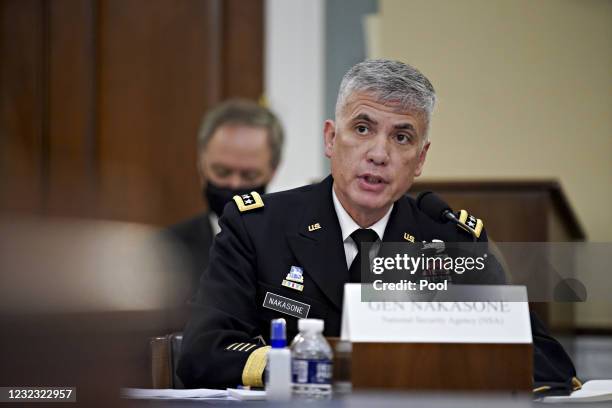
(491, 321)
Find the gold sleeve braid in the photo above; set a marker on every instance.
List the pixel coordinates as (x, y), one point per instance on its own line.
(542, 388)
(254, 367)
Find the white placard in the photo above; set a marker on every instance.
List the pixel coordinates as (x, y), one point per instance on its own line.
(438, 322)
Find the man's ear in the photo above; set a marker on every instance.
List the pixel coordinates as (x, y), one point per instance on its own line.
(329, 136)
(422, 157)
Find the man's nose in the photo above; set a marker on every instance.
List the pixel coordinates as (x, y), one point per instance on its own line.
(378, 153)
(235, 181)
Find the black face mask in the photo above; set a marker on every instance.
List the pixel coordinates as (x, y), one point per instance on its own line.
(217, 196)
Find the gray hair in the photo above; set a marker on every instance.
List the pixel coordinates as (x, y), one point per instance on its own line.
(390, 82)
(246, 113)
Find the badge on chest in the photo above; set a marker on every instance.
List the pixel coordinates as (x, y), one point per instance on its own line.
(294, 279)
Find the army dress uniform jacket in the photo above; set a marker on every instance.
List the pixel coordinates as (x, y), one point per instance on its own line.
(224, 341)
(251, 257)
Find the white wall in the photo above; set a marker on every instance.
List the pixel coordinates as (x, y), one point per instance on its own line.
(294, 70)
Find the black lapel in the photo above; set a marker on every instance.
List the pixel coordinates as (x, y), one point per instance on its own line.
(320, 251)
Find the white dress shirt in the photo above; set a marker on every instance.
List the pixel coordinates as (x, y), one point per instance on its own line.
(214, 223)
(348, 226)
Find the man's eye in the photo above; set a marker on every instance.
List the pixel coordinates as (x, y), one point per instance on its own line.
(362, 129)
(221, 172)
(250, 176)
(402, 138)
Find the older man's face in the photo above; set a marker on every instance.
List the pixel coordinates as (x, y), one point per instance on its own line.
(376, 151)
(237, 157)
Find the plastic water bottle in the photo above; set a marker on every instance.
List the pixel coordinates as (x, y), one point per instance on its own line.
(311, 361)
(278, 368)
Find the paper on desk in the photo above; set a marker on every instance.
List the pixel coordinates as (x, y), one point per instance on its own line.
(170, 393)
(591, 391)
(246, 395)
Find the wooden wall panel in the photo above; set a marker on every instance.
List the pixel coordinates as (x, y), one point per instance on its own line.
(22, 111)
(243, 30)
(154, 76)
(100, 101)
(71, 102)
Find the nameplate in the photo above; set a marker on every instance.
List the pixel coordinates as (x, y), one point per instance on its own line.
(285, 305)
(496, 320)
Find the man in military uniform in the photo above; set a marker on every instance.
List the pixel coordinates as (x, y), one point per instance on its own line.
(289, 254)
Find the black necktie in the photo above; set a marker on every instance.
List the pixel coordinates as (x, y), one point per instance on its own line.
(359, 236)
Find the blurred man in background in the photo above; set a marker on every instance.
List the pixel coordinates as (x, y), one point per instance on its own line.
(239, 149)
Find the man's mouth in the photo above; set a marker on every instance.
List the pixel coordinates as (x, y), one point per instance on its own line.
(372, 179)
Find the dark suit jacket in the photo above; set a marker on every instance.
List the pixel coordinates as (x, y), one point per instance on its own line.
(195, 236)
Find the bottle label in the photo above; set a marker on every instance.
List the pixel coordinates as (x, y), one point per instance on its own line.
(307, 371)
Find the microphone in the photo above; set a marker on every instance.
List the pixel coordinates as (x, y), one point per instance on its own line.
(437, 209)
(432, 205)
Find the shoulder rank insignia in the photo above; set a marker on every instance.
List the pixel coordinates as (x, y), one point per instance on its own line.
(250, 201)
(472, 224)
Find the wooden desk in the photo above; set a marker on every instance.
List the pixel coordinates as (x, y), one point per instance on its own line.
(441, 366)
(450, 367)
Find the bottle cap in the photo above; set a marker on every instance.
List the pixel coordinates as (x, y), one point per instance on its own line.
(311, 325)
(278, 333)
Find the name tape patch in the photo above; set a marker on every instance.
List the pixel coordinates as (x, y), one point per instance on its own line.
(285, 305)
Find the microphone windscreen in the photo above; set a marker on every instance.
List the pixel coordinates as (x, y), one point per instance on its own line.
(432, 205)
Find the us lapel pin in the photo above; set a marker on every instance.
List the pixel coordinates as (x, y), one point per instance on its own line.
(408, 237)
(314, 227)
